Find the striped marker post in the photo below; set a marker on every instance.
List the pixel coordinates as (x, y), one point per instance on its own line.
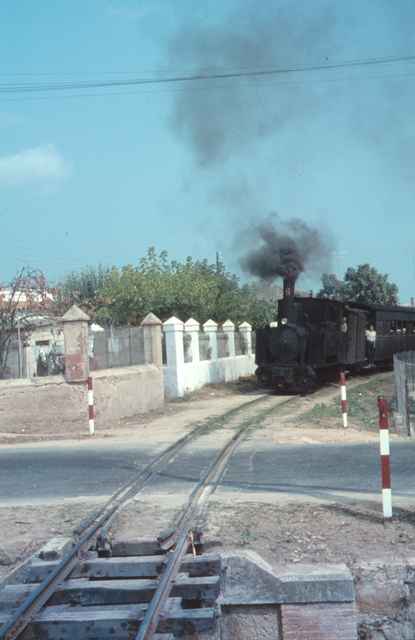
(91, 411)
(343, 398)
(385, 457)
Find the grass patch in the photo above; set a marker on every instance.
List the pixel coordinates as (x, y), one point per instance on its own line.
(362, 401)
(321, 411)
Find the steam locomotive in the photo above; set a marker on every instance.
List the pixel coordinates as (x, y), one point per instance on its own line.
(316, 337)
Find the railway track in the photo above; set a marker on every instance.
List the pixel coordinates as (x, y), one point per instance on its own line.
(165, 586)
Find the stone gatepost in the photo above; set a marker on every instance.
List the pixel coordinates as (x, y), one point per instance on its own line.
(29, 359)
(191, 328)
(246, 335)
(76, 334)
(211, 328)
(152, 340)
(228, 328)
(175, 379)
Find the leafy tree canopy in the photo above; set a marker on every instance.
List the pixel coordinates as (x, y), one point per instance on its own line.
(192, 288)
(363, 284)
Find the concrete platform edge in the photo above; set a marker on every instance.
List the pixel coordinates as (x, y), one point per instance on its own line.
(250, 580)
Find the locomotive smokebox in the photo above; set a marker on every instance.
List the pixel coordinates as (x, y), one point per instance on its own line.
(289, 287)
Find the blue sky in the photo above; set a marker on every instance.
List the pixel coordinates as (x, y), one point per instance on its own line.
(99, 177)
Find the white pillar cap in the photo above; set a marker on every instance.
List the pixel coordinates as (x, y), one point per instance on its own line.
(173, 324)
(192, 325)
(210, 325)
(228, 325)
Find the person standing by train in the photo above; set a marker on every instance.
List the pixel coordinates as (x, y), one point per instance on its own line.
(344, 343)
(371, 344)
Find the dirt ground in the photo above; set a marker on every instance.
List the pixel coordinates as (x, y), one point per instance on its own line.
(310, 533)
(25, 529)
(287, 533)
(34, 431)
(283, 533)
(319, 409)
(362, 405)
(317, 418)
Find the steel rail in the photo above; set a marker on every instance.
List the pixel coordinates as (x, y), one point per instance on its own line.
(183, 534)
(25, 613)
(128, 490)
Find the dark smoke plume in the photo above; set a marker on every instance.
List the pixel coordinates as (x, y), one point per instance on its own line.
(280, 249)
(221, 119)
(224, 121)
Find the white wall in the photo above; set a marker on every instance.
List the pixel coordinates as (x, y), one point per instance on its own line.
(183, 377)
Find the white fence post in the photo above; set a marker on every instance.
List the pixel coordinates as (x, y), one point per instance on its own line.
(191, 328)
(246, 335)
(228, 328)
(173, 329)
(211, 328)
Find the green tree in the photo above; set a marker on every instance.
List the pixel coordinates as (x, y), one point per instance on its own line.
(191, 288)
(362, 284)
(332, 287)
(84, 286)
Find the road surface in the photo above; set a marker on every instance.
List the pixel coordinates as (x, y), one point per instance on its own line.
(51, 473)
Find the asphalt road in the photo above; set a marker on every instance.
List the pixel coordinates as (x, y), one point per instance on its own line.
(51, 473)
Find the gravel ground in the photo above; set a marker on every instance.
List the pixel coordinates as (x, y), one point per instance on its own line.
(26, 529)
(185, 411)
(310, 533)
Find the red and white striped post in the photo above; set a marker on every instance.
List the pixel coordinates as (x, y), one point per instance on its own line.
(385, 457)
(343, 398)
(91, 410)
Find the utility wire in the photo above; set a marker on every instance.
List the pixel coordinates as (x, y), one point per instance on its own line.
(204, 70)
(6, 88)
(224, 86)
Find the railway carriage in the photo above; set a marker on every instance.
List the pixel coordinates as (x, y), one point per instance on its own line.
(395, 329)
(316, 337)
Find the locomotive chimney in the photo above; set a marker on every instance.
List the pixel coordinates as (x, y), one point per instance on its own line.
(289, 286)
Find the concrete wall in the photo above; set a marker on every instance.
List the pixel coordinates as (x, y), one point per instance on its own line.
(182, 376)
(128, 391)
(196, 375)
(50, 405)
(31, 405)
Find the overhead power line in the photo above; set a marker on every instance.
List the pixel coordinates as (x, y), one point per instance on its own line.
(29, 87)
(219, 86)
